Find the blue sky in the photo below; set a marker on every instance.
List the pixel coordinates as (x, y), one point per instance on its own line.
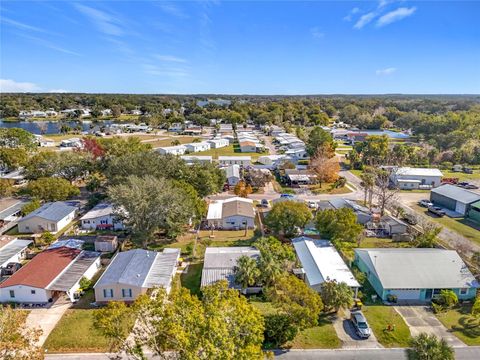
(247, 47)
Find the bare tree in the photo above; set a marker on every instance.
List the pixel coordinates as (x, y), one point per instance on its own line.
(384, 193)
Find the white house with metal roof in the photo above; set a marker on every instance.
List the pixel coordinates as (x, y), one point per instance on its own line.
(232, 160)
(51, 217)
(231, 214)
(101, 217)
(218, 143)
(197, 146)
(416, 275)
(134, 272)
(408, 178)
(454, 198)
(12, 249)
(321, 262)
(172, 150)
(233, 174)
(220, 262)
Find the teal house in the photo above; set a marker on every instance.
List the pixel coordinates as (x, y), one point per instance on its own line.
(416, 275)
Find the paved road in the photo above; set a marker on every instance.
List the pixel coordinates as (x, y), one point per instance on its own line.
(420, 319)
(469, 353)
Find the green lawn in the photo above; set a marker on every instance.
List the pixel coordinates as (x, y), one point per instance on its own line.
(465, 227)
(374, 242)
(461, 324)
(322, 336)
(75, 333)
(380, 317)
(192, 278)
(462, 176)
(229, 151)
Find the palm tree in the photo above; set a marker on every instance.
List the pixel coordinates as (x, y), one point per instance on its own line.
(429, 347)
(246, 272)
(368, 182)
(271, 269)
(175, 142)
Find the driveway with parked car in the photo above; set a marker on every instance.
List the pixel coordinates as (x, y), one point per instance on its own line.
(352, 336)
(421, 319)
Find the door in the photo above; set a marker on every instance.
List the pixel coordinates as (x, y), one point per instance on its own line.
(428, 294)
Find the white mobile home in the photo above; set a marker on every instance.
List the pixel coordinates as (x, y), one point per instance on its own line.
(407, 178)
(232, 160)
(101, 217)
(231, 214)
(172, 150)
(197, 147)
(218, 143)
(51, 217)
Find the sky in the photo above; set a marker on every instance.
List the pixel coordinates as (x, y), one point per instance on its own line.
(240, 47)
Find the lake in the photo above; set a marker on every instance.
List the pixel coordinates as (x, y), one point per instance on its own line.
(389, 133)
(53, 127)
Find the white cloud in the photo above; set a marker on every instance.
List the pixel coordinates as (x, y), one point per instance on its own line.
(316, 33)
(386, 71)
(58, 91)
(105, 22)
(170, 58)
(8, 85)
(364, 20)
(22, 26)
(49, 45)
(395, 15)
(352, 12)
(172, 9)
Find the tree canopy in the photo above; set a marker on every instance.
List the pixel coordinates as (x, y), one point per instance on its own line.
(286, 217)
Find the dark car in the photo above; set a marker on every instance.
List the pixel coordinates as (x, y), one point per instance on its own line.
(436, 210)
(11, 268)
(360, 324)
(286, 196)
(265, 203)
(410, 219)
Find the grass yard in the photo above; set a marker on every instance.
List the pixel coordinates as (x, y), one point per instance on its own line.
(374, 242)
(229, 151)
(75, 333)
(167, 140)
(461, 324)
(322, 336)
(380, 317)
(192, 278)
(326, 188)
(465, 227)
(462, 176)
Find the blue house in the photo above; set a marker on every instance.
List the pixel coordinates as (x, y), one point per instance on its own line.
(416, 275)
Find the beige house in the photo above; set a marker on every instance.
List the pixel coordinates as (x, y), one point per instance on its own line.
(51, 217)
(134, 272)
(231, 214)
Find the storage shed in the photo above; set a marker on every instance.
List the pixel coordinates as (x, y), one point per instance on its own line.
(454, 198)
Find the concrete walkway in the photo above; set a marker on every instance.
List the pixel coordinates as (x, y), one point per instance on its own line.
(346, 333)
(421, 319)
(47, 319)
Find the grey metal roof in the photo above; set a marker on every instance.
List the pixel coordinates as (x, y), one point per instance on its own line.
(163, 269)
(15, 208)
(418, 268)
(457, 193)
(219, 262)
(12, 248)
(139, 267)
(70, 243)
(54, 211)
(233, 171)
(102, 209)
(74, 272)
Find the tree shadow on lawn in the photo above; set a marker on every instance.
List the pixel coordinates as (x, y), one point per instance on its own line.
(468, 326)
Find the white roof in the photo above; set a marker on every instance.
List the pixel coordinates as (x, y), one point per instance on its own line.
(233, 171)
(249, 158)
(418, 268)
(408, 171)
(322, 262)
(177, 147)
(102, 209)
(196, 157)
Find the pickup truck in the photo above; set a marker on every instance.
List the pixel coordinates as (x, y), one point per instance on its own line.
(436, 210)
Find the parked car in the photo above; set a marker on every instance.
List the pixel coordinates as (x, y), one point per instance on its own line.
(467, 170)
(359, 322)
(10, 269)
(425, 203)
(290, 196)
(265, 203)
(436, 210)
(467, 185)
(312, 204)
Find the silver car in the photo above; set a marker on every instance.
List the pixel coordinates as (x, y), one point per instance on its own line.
(362, 329)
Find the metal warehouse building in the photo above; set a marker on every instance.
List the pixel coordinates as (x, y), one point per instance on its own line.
(454, 198)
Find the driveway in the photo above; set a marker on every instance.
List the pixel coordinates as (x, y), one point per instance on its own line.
(421, 319)
(47, 319)
(346, 333)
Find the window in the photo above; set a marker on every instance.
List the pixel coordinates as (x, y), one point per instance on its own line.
(32, 292)
(108, 293)
(127, 293)
(12, 293)
(464, 291)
